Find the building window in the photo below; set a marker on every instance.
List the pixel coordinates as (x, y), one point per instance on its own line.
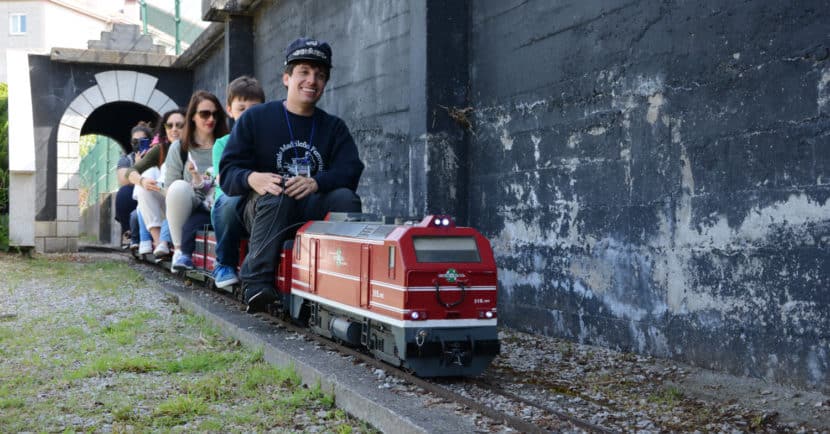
(17, 24)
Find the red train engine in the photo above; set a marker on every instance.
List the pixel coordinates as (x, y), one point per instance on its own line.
(420, 295)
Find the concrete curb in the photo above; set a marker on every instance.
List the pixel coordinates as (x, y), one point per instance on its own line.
(356, 389)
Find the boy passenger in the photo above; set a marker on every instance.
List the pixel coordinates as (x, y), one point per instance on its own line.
(243, 93)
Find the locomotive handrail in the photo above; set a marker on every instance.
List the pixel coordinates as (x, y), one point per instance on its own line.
(449, 305)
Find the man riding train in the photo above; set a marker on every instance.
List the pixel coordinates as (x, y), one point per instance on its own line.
(293, 161)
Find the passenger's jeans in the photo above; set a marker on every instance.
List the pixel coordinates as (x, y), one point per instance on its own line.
(124, 205)
(228, 228)
(135, 227)
(272, 219)
(144, 233)
(197, 221)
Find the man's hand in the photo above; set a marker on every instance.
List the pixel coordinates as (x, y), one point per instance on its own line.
(299, 187)
(264, 182)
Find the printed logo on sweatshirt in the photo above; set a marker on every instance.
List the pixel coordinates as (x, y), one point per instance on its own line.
(290, 155)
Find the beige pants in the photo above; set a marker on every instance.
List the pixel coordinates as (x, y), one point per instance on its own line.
(181, 201)
(152, 206)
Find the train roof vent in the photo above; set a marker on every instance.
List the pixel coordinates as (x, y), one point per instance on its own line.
(367, 230)
(401, 220)
(352, 217)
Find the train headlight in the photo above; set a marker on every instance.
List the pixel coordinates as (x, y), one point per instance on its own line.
(417, 316)
(486, 314)
(445, 221)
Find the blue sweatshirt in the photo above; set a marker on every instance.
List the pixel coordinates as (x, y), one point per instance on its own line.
(267, 138)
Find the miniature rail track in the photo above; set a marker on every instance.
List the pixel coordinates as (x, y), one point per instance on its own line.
(561, 420)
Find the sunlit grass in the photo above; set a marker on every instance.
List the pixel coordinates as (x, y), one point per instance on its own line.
(114, 363)
(181, 406)
(124, 332)
(263, 374)
(130, 368)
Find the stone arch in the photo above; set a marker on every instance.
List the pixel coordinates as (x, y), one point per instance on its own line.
(111, 86)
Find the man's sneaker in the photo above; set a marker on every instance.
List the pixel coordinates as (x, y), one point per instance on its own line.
(258, 298)
(145, 247)
(182, 263)
(224, 276)
(161, 250)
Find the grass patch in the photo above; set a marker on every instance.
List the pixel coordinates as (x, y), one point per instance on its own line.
(201, 362)
(179, 410)
(670, 396)
(12, 402)
(212, 425)
(212, 388)
(263, 374)
(91, 321)
(121, 358)
(113, 363)
(124, 332)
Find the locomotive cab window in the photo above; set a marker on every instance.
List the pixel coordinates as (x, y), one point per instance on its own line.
(446, 249)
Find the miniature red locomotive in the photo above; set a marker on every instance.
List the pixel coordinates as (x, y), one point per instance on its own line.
(421, 295)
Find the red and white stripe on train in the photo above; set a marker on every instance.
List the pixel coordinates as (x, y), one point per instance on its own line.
(419, 294)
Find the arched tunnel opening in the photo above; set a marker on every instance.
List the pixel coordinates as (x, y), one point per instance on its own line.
(105, 137)
(116, 119)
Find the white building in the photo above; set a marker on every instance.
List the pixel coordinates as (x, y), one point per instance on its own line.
(39, 25)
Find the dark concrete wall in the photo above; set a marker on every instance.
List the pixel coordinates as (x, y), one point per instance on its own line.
(654, 176)
(369, 87)
(54, 86)
(210, 74)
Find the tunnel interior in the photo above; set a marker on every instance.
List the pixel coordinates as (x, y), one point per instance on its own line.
(116, 119)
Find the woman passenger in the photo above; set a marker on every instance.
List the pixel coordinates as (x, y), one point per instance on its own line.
(188, 174)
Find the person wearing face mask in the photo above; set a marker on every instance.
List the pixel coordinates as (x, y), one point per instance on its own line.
(146, 175)
(124, 203)
(293, 162)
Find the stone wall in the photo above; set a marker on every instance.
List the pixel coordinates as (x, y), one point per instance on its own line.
(654, 177)
(369, 87)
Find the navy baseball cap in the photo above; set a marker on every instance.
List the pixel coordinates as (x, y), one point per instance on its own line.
(308, 49)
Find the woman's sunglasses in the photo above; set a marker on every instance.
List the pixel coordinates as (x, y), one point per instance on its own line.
(178, 125)
(206, 114)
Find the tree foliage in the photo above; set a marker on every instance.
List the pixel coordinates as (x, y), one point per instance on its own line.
(4, 166)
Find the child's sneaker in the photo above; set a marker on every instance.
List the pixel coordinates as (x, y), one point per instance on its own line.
(182, 263)
(145, 247)
(224, 276)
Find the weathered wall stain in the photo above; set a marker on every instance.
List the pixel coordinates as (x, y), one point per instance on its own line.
(659, 183)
